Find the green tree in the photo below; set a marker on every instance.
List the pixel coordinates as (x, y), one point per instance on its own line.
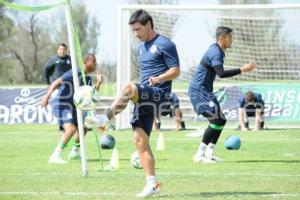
(34, 38)
(6, 31)
(88, 28)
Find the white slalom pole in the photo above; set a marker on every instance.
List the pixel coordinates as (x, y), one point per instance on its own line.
(76, 85)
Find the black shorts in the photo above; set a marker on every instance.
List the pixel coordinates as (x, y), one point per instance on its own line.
(151, 101)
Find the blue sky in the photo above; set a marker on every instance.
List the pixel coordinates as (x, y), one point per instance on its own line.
(106, 13)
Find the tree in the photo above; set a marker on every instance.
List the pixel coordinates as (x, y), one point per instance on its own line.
(88, 28)
(6, 31)
(33, 40)
(29, 47)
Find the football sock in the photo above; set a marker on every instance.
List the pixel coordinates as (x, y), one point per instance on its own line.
(76, 146)
(151, 180)
(262, 125)
(202, 148)
(210, 149)
(182, 124)
(216, 136)
(208, 135)
(247, 124)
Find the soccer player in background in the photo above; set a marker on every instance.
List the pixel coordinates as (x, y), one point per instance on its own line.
(173, 111)
(159, 64)
(201, 92)
(64, 108)
(251, 105)
(57, 65)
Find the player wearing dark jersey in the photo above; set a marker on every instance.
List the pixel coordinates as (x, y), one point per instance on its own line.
(63, 106)
(159, 64)
(251, 105)
(57, 65)
(201, 92)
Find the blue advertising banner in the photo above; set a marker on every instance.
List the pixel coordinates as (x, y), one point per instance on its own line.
(22, 105)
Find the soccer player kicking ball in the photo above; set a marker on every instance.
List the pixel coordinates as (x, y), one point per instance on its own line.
(159, 64)
(201, 92)
(65, 110)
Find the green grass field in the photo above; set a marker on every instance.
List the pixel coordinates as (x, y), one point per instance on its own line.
(266, 167)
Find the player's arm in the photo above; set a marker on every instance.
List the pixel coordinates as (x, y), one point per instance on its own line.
(50, 90)
(241, 112)
(98, 81)
(232, 72)
(167, 76)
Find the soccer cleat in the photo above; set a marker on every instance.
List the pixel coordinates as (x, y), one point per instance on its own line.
(212, 159)
(74, 154)
(198, 157)
(56, 159)
(149, 190)
(91, 122)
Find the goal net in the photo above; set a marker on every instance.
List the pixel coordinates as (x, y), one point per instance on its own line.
(265, 34)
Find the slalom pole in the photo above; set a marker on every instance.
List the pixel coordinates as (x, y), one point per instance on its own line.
(76, 85)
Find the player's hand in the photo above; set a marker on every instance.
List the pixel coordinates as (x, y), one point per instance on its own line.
(154, 80)
(248, 67)
(44, 101)
(99, 77)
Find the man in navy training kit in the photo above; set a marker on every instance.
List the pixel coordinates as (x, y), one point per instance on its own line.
(201, 92)
(251, 105)
(159, 64)
(173, 110)
(64, 108)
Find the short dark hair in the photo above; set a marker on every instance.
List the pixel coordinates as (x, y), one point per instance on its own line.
(62, 44)
(249, 97)
(87, 56)
(140, 16)
(223, 31)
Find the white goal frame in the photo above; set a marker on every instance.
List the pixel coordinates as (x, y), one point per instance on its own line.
(123, 60)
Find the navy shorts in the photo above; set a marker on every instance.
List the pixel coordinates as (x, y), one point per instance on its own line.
(66, 114)
(152, 100)
(203, 101)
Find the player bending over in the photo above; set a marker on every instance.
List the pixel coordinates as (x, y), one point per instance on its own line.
(251, 105)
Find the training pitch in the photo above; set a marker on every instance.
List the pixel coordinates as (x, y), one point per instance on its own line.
(267, 166)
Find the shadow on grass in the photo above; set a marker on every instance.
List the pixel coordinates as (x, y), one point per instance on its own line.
(266, 161)
(218, 194)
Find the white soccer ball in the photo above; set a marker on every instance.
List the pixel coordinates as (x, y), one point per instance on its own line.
(85, 98)
(135, 160)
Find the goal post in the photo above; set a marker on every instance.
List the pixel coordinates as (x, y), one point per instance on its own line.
(264, 33)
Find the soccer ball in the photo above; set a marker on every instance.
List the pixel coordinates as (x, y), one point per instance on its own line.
(233, 142)
(85, 98)
(107, 142)
(135, 160)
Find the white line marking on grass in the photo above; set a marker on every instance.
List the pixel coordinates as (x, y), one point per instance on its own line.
(200, 194)
(66, 193)
(30, 193)
(160, 173)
